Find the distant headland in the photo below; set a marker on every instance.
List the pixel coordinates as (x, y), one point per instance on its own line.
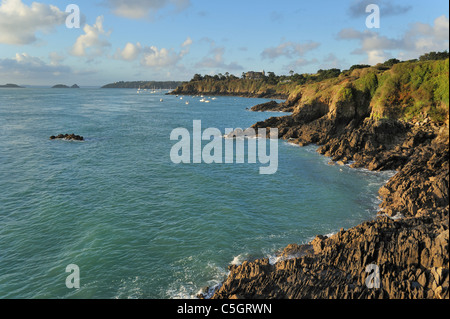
(150, 85)
(11, 86)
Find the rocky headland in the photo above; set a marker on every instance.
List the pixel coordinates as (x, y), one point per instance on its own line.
(368, 119)
(11, 86)
(144, 85)
(233, 86)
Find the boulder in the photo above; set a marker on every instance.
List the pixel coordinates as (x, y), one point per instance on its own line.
(68, 137)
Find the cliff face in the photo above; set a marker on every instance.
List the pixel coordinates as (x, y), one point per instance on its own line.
(235, 87)
(369, 119)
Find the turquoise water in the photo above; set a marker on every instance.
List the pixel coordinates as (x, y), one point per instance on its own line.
(137, 225)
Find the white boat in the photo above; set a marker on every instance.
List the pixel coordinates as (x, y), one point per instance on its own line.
(202, 100)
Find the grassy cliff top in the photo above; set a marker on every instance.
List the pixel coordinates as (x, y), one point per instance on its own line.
(410, 91)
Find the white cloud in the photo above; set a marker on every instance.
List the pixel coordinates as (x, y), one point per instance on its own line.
(289, 50)
(332, 61)
(420, 38)
(152, 56)
(215, 59)
(19, 23)
(138, 9)
(24, 66)
(299, 65)
(93, 42)
(187, 43)
(55, 58)
(130, 52)
(186, 46)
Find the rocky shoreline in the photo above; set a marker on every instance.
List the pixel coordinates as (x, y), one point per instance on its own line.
(408, 241)
(266, 95)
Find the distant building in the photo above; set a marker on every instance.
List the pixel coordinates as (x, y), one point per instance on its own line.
(255, 75)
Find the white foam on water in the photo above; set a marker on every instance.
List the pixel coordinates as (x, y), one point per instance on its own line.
(186, 288)
(238, 260)
(130, 288)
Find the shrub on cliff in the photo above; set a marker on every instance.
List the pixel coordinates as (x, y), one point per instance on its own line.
(434, 56)
(413, 90)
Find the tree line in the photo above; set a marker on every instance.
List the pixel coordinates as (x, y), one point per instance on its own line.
(300, 79)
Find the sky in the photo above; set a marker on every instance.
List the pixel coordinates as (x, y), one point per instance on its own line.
(160, 40)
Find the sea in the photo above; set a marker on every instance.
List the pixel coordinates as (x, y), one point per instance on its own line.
(136, 225)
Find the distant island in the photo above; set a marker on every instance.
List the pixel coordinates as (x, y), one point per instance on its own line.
(11, 86)
(62, 86)
(152, 85)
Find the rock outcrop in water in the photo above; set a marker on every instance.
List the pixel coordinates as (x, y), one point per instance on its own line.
(272, 106)
(407, 242)
(68, 137)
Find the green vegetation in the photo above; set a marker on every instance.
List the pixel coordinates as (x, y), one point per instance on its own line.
(269, 85)
(408, 90)
(228, 84)
(346, 94)
(413, 90)
(432, 56)
(359, 66)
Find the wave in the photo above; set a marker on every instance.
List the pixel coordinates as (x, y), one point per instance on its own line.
(186, 288)
(239, 259)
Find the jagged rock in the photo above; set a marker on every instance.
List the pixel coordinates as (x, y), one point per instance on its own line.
(273, 106)
(318, 243)
(295, 250)
(408, 241)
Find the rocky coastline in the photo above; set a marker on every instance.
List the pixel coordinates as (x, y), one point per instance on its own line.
(407, 241)
(268, 94)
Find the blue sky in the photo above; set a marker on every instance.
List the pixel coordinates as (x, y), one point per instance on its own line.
(174, 39)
